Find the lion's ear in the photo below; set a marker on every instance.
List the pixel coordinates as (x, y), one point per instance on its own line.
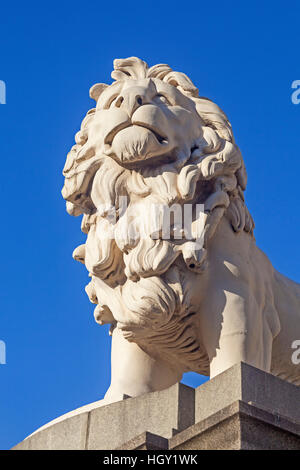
(96, 90)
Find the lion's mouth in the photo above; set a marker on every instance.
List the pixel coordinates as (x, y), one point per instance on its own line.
(162, 140)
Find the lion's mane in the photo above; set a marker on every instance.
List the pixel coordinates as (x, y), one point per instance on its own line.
(150, 275)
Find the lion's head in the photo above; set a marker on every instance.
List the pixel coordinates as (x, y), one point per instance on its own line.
(152, 141)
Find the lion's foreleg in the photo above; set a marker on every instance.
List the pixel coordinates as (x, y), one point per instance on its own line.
(134, 372)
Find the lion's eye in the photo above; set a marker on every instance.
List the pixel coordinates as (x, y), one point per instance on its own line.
(162, 99)
(111, 102)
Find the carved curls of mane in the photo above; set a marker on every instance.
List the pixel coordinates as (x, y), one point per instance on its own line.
(217, 158)
(214, 174)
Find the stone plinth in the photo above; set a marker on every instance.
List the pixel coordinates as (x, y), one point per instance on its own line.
(240, 426)
(242, 408)
(109, 427)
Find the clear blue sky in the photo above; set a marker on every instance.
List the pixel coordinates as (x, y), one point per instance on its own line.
(243, 55)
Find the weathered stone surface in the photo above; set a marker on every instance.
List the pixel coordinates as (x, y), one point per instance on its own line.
(157, 412)
(110, 426)
(240, 426)
(250, 385)
(242, 408)
(69, 434)
(146, 441)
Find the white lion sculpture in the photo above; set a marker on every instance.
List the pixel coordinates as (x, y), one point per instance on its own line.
(199, 298)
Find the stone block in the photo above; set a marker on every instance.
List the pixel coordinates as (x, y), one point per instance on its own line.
(164, 413)
(250, 385)
(240, 426)
(146, 441)
(108, 427)
(69, 434)
(242, 408)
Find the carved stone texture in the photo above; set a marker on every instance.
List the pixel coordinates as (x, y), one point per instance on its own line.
(146, 441)
(240, 426)
(243, 408)
(109, 427)
(196, 295)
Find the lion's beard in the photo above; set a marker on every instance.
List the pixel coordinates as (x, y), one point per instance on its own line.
(143, 280)
(122, 229)
(140, 282)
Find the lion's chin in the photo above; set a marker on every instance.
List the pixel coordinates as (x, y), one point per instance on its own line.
(136, 143)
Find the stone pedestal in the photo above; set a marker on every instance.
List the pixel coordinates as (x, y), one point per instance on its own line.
(242, 408)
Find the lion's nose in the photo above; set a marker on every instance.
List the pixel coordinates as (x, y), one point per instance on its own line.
(131, 101)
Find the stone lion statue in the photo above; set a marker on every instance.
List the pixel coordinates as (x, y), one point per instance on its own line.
(197, 296)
